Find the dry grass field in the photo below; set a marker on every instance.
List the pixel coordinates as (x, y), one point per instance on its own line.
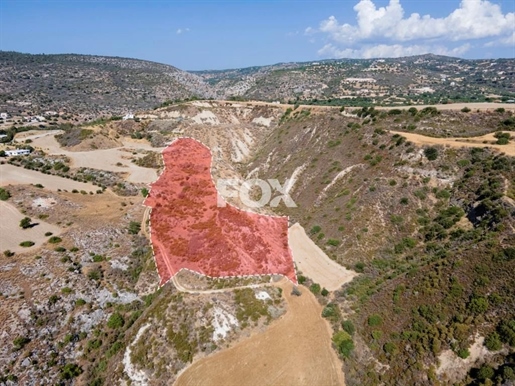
(295, 350)
(314, 263)
(487, 140)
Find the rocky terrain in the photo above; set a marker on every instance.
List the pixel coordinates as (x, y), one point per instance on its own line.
(97, 85)
(426, 227)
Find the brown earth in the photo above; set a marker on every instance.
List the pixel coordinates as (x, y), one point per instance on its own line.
(314, 263)
(296, 350)
(490, 140)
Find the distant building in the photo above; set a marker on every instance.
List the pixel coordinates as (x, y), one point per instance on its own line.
(17, 152)
(3, 136)
(128, 116)
(4, 115)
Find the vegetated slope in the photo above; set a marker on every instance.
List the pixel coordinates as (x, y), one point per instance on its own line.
(432, 230)
(90, 84)
(425, 78)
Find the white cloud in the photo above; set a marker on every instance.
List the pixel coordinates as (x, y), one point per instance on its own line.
(181, 31)
(507, 41)
(387, 31)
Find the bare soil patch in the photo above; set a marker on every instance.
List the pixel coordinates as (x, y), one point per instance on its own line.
(117, 159)
(12, 235)
(314, 263)
(295, 350)
(14, 175)
(419, 139)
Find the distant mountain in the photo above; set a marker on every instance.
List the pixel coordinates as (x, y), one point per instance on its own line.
(110, 85)
(90, 84)
(424, 78)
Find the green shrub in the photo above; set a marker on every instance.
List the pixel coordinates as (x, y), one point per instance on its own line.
(4, 194)
(315, 229)
(478, 305)
(330, 311)
(20, 342)
(374, 320)
(54, 240)
(493, 342)
(70, 371)
(348, 327)
(464, 353)
(98, 258)
(315, 288)
(333, 242)
(134, 227)
(27, 244)
(115, 321)
(25, 223)
(485, 372)
(431, 153)
(390, 348)
(359, 267)
(343, 343)
(80, 302)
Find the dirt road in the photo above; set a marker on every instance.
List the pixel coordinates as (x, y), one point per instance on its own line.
(295, 350)
(452, 106)
(419, 139)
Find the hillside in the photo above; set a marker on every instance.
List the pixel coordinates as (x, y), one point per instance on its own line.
(410, 80)
(431, 229)
(425, 227)
(99, 85)
(89, 84)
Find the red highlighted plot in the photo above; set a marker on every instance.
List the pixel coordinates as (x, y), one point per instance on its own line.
(189, 230)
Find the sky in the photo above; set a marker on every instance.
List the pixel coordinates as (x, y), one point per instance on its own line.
(209, 34)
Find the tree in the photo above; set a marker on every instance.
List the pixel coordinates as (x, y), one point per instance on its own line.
(25, 223)
(431, 153)
(485, 372)
(493, 342)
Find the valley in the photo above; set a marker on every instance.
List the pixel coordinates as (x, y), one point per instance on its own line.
(402, 239)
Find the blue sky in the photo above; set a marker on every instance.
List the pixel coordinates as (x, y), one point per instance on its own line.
(195, 35)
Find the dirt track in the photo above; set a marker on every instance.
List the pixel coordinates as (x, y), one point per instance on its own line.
(295, 350)
(419, 139)
(314, 263)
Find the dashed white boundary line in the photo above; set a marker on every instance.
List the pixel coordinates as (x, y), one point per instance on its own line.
(227, 203)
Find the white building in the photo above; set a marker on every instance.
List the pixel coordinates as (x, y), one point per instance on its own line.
(17, 152)
(128, 116)
(4, 115)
